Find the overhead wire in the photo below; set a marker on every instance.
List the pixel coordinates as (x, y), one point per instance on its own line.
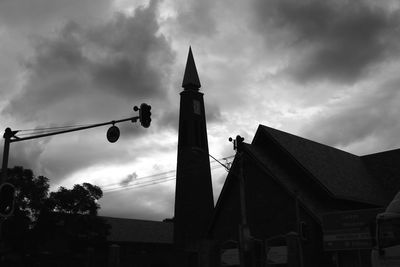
(143, 178)
(151, 181)
(147, 181)
(45, 130)
(54, 127)
(161, 173)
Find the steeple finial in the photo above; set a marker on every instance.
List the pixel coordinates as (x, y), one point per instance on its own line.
(191, 78)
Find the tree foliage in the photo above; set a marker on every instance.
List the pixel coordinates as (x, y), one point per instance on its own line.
(81, 199)
(31, 192)
(33, 197)
(39, 215)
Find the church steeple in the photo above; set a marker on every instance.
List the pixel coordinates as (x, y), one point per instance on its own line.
(194, 202)
(191, 78)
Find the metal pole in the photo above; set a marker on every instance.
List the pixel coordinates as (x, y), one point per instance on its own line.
(7, 135)
(4, 167)
(242, 191)
(299, 237)
(134, 119)
(244, 231)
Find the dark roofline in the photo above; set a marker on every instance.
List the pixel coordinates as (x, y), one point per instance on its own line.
(307, 172)
(381, 152)
(306, 140)
(287, 153)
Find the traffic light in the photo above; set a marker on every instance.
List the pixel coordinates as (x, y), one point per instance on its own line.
(237, 143)
(7, 198)
(145, 115)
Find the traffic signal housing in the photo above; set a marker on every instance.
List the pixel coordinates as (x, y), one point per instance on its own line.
(145, 115)
(7, 199)
(237, 143)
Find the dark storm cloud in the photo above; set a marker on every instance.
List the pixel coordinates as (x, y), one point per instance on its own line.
(56, 73)
(128, 179)
(23, 155)
(125, 58)
(370, 114)
(197, 17)
(88, 74)
(67, 157)
(333, 40)
(138, 58)
(36, 15)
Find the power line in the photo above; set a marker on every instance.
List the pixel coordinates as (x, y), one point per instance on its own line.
(167, 172)
(143, 182)
(50, 129)
(143, 178)
(147, 183)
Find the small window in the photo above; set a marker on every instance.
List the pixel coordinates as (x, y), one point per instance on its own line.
(196, 107)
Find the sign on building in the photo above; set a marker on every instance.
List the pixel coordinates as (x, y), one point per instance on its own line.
(349, 230)
(277, 255)
(230, 257)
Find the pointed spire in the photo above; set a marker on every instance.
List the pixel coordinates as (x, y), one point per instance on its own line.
(191, 78)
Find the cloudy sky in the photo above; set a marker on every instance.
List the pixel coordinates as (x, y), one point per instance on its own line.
(323, 70)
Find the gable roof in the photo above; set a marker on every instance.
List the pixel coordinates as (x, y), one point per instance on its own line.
(139, 231)
(281, 175)
(342, 174)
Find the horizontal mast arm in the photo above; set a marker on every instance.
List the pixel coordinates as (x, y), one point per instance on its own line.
(17, 139)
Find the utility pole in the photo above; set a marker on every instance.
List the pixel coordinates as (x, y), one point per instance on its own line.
(245, 254)
(7, 139)
(7, 190)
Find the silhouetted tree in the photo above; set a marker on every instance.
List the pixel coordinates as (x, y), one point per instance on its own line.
(31, 192)
(81, 199)
(31, 195)
(41, 217)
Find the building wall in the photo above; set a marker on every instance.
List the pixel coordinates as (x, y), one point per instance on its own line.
(272, 211)
(142, 255)
(226, 221)
(272, 208)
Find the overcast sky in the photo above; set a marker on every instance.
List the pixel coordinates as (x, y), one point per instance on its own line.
(324, 70)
